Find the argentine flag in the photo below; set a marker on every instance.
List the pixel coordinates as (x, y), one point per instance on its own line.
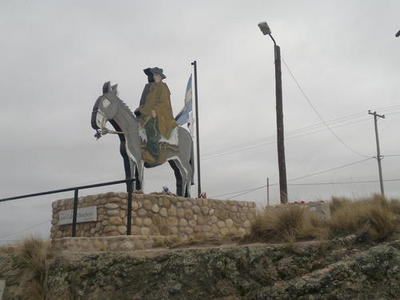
(185, 115)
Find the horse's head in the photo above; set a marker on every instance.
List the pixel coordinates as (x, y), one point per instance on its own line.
(106, 107)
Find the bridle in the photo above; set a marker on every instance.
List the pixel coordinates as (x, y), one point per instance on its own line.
(104, 130)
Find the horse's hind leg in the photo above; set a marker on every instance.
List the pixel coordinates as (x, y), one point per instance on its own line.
(180, 175)
(186, 171)
(188, 178)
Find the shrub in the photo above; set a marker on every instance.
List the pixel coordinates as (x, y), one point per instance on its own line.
(286, 223)
(373, 217)
(336, 203)
(394, 206)
(30, 258)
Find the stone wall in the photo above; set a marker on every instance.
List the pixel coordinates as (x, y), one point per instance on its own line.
(158, 215)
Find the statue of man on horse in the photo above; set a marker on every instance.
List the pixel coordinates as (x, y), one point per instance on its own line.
(156, 118)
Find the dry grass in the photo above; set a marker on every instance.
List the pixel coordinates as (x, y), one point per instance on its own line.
(30, 258)
(373, 219)
(286, 223)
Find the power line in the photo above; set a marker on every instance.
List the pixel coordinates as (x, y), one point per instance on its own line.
(236, 192)
(269, 141)
(343, 182)
(249, 190)
(331, 169)
(252, 190)
(24, 230)
(295, 133)
(319, 115)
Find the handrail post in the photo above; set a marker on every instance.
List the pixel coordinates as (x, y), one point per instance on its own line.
(75, 212)
(129, 214)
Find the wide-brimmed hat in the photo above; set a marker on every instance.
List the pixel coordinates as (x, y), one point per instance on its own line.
(148, 72)
(158, 71)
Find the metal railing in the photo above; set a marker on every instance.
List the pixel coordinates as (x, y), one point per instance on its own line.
(76, 189)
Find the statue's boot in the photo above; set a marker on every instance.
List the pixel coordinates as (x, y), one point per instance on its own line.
(148, 158)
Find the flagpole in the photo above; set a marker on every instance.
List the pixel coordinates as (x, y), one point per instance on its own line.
(194, 64)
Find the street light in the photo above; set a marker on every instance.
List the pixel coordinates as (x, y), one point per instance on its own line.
(279, 114)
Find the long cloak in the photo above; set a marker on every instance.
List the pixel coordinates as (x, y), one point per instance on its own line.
(157, 98)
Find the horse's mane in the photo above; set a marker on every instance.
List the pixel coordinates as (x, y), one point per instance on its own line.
(113, 91)
(124, 105)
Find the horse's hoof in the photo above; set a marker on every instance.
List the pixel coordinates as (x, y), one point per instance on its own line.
(138, 192)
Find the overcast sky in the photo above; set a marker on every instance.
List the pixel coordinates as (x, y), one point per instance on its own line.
(56, 55)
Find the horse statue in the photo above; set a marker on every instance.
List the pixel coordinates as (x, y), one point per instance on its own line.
(110, 108)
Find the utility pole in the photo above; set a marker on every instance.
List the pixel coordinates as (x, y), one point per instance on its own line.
(378, 150)
(267, 191)
(279, 125)
(279, 115)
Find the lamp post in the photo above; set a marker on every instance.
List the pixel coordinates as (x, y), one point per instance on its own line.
(279, 114)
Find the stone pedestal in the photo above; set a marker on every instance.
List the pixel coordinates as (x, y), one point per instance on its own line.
(158, 215)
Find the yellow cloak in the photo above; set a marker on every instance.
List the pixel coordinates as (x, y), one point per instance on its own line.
(158, 99)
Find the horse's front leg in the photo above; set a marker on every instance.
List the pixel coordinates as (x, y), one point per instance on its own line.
(139, 175)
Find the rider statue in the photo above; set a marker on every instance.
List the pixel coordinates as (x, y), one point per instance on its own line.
(155, 115)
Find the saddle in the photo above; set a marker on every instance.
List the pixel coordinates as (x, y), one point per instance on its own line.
(154, 157)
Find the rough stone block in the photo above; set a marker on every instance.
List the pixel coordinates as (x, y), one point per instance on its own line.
(180, 212)
(188, 213)
(155, 208)
(147, 221)
(122, 229)
(163, 212)
(196, 209)
(172, 221)
(113, 212)
(142, 212)
(135, 230)
(147, 204)
(224, 231)
(145, 230)
(115, 220)
(221, 224)
(167, 203)
(187, 204)
(229, 223)
(109, 228)
(172, 211)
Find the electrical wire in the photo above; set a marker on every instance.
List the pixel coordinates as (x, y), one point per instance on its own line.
(331, 169)
(318, 114)
(269, 141)
(343, 182)
(236, 192)
(272, 139)
(24, 230)
(249, 190)
(243, 193)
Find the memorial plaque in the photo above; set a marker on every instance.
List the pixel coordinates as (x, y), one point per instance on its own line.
(84, 214)
(2, 288)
